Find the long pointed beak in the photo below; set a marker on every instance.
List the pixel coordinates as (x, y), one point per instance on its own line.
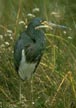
(51, 25)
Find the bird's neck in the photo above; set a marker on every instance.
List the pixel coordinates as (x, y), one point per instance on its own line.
(33, 33)
(38, 37)
(30, 31)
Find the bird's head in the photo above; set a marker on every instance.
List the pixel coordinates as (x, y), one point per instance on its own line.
(38, 23)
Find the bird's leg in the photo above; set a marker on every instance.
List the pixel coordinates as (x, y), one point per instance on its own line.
(20, 85)
(31, 83)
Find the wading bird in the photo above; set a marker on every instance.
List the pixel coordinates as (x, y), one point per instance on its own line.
(29, 48)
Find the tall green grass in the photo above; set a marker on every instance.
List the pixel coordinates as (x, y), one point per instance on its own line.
(54, 83)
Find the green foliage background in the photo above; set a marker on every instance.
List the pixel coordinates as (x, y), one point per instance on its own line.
(54, 83)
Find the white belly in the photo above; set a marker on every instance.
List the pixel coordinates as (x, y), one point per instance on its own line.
(25, 69)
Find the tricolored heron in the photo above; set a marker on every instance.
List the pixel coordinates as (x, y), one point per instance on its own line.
(29, 48)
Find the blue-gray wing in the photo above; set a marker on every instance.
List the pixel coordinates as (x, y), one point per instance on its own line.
(20, 44)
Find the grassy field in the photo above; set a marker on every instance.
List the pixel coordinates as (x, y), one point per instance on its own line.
(54, 83)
